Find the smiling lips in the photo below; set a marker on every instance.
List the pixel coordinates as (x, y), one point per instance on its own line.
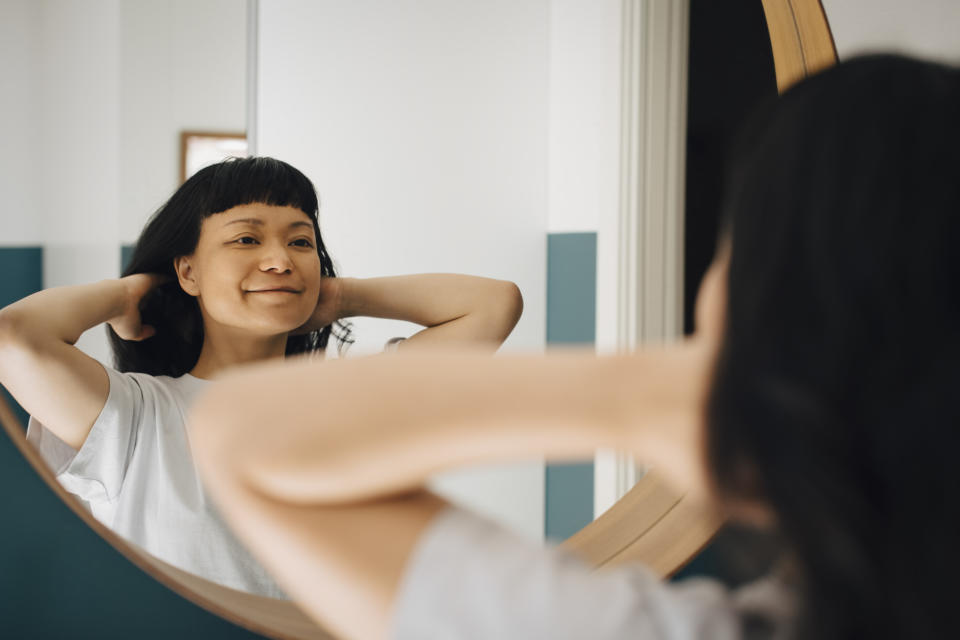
(275, 290)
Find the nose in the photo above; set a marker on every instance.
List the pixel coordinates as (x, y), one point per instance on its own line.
(274, 258)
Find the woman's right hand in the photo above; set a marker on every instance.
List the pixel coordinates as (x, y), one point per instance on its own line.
(128, 324)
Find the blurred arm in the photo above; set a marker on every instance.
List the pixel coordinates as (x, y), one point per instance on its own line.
(329, 496)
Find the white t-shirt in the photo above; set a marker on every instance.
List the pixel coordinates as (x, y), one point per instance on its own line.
(136, 474)
(470, 578)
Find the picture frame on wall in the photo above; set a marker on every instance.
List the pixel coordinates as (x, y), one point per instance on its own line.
(199, 149)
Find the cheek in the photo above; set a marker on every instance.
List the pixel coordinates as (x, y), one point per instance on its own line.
(220, 277)
(310, 268)
(220, 282)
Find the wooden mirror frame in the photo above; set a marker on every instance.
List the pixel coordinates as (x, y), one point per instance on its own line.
(651, 524)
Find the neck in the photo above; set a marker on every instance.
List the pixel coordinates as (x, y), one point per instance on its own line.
(224, 348)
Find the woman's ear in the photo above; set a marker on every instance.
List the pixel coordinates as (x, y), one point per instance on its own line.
(754, 513)
(186, 275)
(711, 303)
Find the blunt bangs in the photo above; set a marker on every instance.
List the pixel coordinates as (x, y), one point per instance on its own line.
(240, 181)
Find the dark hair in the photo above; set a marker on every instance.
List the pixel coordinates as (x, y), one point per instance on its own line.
(835, 397)
(174, 230)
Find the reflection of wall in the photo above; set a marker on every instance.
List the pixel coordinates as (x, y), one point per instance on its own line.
(67, 105)
(571, 321)
(925, 28)
(19, 126)
(60, 217)
(427, 128)
(22, 269)
(94, 96)
(449, 135)
(424, 126)
(182, 66)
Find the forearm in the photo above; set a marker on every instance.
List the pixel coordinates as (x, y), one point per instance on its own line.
(454, 307)
(64, 313)
(350, 430)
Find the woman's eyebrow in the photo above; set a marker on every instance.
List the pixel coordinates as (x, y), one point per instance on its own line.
(299, 223)
(244, 221)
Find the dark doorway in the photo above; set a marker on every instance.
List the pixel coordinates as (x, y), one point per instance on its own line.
(731, 72)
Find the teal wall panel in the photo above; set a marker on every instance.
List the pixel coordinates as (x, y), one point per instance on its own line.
(62, 580)
(22, 269)
(59, 579)
(125, 252)
(571, 288)
(571, 308)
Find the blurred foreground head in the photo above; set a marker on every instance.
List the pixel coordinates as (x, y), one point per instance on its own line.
(835, 399)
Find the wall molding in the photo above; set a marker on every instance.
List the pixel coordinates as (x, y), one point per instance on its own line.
(649, 296)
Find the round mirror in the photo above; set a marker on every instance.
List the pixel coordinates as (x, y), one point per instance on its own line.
(157, 146)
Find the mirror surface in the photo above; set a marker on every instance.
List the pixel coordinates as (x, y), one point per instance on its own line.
(450, 137)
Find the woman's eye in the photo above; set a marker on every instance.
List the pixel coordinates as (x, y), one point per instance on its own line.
(303, 242)
(244, 240)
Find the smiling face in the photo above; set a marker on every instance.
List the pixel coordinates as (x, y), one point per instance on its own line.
(255, 268)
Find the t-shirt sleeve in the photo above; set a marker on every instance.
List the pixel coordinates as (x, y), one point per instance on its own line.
(469, 578)
(96, 471)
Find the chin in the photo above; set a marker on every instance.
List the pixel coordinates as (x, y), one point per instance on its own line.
(276, 326)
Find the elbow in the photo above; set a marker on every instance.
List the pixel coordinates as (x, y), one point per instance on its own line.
(10, 326)
(511, 306)
(514, 300)
(15, 332)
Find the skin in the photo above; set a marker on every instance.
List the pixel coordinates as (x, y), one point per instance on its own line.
(313, 496)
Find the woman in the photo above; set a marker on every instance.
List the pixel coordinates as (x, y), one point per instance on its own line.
(817, 399)
(231, 270)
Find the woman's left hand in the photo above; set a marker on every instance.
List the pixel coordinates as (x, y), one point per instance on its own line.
(329, 306)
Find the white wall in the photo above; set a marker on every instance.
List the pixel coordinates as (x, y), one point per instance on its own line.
(923, 28)
(78, 181)
(584, 113)
(424, 128)
(424, 125)
(182, 66)
(94, 96)
(19, 126)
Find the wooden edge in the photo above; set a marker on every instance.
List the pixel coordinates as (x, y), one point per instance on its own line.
(800, 38)
(674, 541)
(651, 524)
(620, 525)
(271, 617)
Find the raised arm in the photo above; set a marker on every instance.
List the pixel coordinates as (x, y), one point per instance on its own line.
(456, 309)
(329, 496)
(53, 380)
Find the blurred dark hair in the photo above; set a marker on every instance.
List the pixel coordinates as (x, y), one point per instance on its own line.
(174, 230)
(835, 397)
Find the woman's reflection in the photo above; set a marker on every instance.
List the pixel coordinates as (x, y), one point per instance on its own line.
(231, 270)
